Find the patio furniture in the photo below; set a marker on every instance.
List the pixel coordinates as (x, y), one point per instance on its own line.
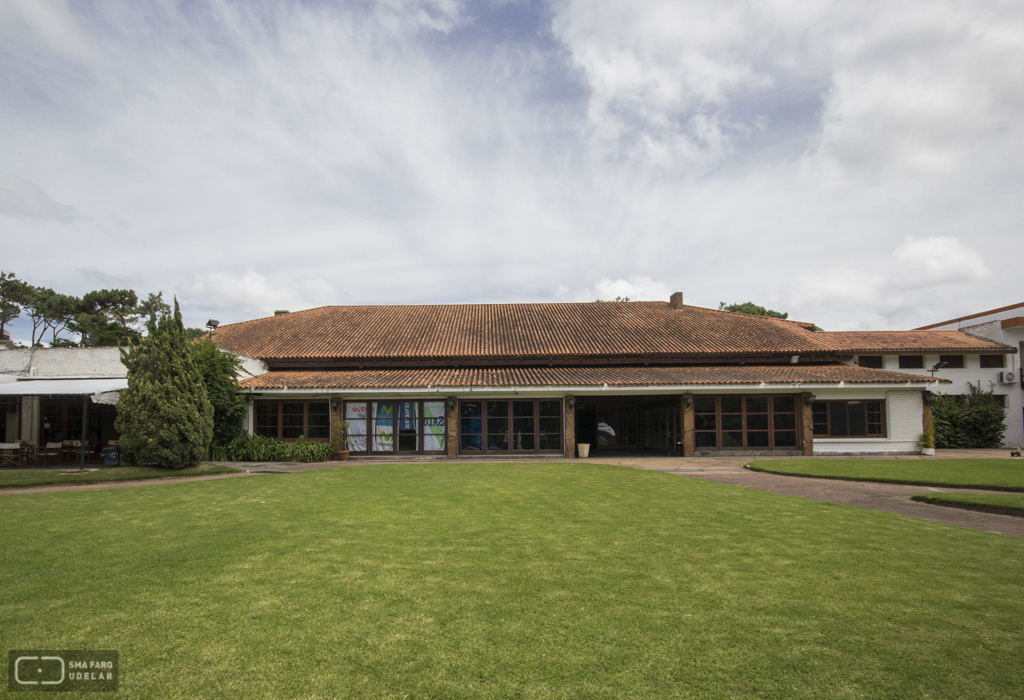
(51, 453)
(10, 453)
(70, 450)
(28, 451)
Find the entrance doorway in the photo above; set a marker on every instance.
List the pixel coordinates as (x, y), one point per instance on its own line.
(616, 424)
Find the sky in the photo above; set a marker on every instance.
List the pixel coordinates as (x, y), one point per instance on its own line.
(858, 165)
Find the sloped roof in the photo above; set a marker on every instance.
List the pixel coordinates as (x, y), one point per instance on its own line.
(511, 331)
(575, 377)
(853, 342)
(592, 331)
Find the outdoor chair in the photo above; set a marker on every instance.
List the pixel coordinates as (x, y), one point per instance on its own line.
(10, 453)
(51, 453)
(69, 451)
(28, 451)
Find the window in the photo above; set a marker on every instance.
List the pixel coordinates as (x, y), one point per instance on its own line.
(412, 427)
(911, 361)
(1000, 400)
(744, 422)
(290, 420)
(848, 418)
(510, 425)
(992, 361)
(952, 361)
(872, 361)
(62, 420)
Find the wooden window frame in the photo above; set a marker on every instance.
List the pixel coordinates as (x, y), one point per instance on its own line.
(420, 427)
(536, 427)
(910, 365)
(280, 418)
(885, 426)
(989, 361)
(719, 430)
(953, 361)
(871, 358)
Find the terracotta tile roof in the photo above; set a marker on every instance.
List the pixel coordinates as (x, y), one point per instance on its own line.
(510, 332)
(853, 342)
(518, 332)
(574, 377)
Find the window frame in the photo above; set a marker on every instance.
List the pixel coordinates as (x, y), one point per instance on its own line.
(420, 419)
(906, 363)
(770, 413)
(958, 363)
(828, 435)
(872, 358)
(991, 360)
(280, 418)
(509, 432)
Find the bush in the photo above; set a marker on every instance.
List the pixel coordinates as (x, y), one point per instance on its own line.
(256, 448)
(971, 421)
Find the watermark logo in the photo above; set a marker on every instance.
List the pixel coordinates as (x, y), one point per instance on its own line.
(60, 671)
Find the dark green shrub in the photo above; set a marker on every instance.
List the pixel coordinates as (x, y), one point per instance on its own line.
(164, 416)
(220, 371)
(975, 420)
(255, 448)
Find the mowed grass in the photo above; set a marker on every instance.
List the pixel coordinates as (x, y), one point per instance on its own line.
(495, 581)
(1004, 503)
(22, 479)
(995, 474)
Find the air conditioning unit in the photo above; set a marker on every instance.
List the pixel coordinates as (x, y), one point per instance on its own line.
(1007, 377)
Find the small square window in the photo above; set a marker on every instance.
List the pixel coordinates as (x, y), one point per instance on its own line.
(952, 361)
(871, 361)
(1000, 399)
(993, 361)
(911, 361)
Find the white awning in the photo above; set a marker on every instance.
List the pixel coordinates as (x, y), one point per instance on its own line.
(65, 387)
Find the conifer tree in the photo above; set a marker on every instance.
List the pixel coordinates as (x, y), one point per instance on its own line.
(164, 416)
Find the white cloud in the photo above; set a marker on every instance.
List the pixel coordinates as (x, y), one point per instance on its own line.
(941, 260)
(636, 288)
(24, 199)
(253, 293)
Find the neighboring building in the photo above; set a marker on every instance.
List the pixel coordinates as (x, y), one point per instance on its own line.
(44, 392)
(536, 379)
(1000, 371)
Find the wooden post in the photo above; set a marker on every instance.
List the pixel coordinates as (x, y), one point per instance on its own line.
(570, 427)
(689, 438)
(806, 425)
(926, 413)
(451, 418)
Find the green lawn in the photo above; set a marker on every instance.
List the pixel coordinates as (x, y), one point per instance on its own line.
(9, 479)
(1005, 503)
(486, 581)
(994, 474)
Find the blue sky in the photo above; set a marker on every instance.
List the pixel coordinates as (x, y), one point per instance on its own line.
(856, 164)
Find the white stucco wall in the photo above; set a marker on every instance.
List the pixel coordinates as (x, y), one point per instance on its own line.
(904, 419)
(973, 372)
(59, 363)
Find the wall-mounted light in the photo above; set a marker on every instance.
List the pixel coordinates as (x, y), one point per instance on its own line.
(937, 366)
(450, 402)
(688, 399)
(334, 404)
(929, 397)
(809, 399)
(212, 325)
(570, 401)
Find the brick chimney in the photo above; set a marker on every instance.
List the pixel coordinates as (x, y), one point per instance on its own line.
(676, 300)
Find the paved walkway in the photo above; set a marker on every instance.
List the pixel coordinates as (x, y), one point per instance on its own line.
(894, 498)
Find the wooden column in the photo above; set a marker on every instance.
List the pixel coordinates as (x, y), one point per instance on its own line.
(806, 425)
(926, 413)
(569, 428)
(689, 439)
(451, 426)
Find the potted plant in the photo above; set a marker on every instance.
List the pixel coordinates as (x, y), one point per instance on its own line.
(927, 442)
(340, 439)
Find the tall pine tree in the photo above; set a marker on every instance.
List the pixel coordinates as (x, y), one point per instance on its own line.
(164, 416)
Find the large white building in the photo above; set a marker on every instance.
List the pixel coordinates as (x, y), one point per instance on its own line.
(1003, 325)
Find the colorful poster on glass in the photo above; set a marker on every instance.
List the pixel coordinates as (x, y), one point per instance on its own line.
(383, 426)
(356, 415)
(433, 426)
